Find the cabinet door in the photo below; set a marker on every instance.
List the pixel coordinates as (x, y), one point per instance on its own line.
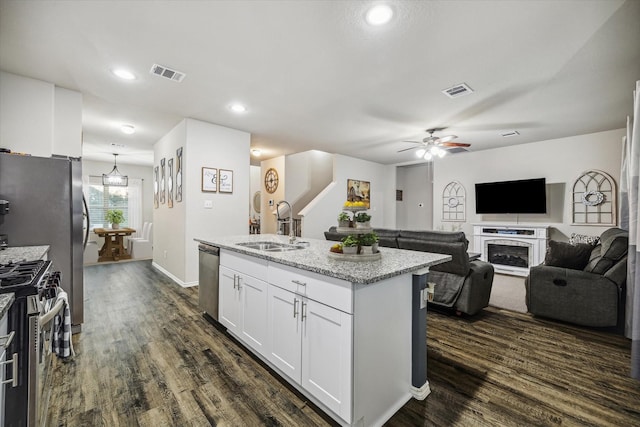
(254, 313)
(284, 331)
(327, 356)
(229, 305)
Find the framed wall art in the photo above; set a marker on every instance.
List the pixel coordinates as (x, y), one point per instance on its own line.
(225, 181)
(359, 191)
(155, 187)
(179, 174)
(209, 180)
(170, 184)
(162, 181)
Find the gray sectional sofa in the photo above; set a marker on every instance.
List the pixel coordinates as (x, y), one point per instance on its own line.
(460, 284)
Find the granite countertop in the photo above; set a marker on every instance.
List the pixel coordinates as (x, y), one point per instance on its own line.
(315, 258)
(23, 253)
(5, 302)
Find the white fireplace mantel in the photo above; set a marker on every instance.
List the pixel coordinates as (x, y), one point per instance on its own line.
(532, 237)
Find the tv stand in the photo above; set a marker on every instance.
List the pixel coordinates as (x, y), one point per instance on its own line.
(512, 249)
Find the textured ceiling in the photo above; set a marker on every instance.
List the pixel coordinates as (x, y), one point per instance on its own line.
(314, 75)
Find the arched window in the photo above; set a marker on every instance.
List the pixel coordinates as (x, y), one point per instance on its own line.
(453, 202)
(594, 199)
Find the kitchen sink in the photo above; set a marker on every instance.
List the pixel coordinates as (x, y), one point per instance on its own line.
(271, 246)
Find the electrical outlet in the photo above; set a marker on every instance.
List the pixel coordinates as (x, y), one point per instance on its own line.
(208, 204)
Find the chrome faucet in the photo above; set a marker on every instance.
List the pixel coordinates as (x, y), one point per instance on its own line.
(292, 236)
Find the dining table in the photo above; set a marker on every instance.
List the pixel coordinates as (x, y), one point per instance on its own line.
(113, 248)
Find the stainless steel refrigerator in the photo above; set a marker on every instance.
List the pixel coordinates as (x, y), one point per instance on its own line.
(45, 208)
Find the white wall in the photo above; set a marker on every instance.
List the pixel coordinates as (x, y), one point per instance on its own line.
(415, 211)
(325, 210)
(204, 145)
(559, 161)
(254, 186)
(268, 222)
(38, 118)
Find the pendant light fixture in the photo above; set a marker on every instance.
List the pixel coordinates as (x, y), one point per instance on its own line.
(115, 178)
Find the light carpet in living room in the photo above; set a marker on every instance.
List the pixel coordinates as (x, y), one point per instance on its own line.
(508, 292)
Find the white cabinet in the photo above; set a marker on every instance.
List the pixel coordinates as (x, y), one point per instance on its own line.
(3, 352)
(311, 342)
(243, 305)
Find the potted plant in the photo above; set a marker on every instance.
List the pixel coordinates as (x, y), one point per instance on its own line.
(350, 245)
(344, 220)
(369, 243)
(362, 220)
(115, 217)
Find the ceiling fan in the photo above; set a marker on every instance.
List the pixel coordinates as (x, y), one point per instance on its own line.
(432, 146)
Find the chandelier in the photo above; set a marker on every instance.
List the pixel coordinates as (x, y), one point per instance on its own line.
(115, 178)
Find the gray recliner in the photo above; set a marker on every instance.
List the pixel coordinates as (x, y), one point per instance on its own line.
(588, 296)
(459, 284)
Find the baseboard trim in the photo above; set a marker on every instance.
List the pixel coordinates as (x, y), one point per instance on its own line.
(172, 277)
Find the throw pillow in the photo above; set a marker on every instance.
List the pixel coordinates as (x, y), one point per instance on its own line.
(566, 255)
(583, 238)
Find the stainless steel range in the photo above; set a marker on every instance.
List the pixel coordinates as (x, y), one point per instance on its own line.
(21, 396)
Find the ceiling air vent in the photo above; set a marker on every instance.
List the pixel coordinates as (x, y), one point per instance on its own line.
(167, 73)
(510, 133)
(458, 90)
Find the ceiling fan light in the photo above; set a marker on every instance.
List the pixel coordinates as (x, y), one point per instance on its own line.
(428, 156)
(442, 153)
(421, 152)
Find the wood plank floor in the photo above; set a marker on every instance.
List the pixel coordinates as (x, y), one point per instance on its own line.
(147, 357)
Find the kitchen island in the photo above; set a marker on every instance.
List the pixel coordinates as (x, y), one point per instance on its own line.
(351, 336)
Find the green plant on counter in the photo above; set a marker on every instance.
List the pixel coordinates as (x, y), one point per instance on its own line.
(368, 239)
(363, 217)
(350, 240)
(343, 216)
(114, 216)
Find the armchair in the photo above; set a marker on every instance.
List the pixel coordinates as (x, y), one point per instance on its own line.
(587, 290)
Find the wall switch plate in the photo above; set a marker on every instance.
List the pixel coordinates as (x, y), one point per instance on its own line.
(208, 204)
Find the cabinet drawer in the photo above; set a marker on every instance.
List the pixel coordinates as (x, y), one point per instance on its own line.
(249, 265)
(326, 290)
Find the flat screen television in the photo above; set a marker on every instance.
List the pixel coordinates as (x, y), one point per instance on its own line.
(525, 196)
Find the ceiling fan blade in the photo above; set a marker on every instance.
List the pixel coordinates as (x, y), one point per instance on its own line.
(407, 149)
(454, 144)
(447, 138)
(415, 142)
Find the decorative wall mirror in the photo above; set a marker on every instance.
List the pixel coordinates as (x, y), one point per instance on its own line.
(594, 199)
(453, 202)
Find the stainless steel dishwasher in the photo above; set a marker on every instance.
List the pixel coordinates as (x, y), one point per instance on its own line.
(209, 268)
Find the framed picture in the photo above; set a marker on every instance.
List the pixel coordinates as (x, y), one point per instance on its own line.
(155, 187)
(170, 184)
(179, 174)
(162, 181)
(359, 191)
(209, 179)
(226, 181)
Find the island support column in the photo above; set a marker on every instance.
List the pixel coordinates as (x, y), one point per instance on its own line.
(419, 383)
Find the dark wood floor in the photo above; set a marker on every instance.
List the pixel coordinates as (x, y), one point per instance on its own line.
(147, 357)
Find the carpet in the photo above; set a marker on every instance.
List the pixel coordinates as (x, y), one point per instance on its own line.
(508, 292)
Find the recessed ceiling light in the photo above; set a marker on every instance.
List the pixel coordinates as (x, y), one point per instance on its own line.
(128, 129)
(379, 14)
(238, 108)
(256, 152)
(124, 74)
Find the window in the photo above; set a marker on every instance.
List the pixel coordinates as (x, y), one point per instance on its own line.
(101, 198)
